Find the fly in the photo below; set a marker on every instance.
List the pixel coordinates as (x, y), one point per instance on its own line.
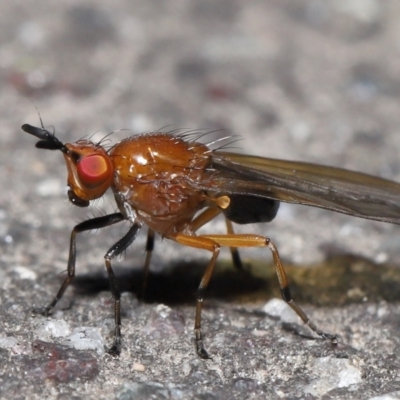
(175, 186)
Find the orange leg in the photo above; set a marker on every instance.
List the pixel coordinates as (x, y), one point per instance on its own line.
(213, 244)
(207, 216)
(200, 242)
(261, 241)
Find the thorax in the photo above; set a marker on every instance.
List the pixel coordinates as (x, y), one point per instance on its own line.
(157, 175)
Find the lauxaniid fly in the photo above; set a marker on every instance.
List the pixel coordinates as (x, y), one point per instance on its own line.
(175, 186)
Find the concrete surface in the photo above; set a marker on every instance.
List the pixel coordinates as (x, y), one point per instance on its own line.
(305, 80)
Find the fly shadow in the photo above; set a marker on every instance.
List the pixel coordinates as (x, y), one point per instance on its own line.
(339, 280)
(177, 284)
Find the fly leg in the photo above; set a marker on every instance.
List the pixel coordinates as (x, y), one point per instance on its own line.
(287, 297)
(261, 241)
(237, 261)
(146, 268)
(114, 251)
(94, 223)
(207, 216)
(210, 245)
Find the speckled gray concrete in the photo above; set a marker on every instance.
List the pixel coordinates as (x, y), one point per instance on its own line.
(297, 80)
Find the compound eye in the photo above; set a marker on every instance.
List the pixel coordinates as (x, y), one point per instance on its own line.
(93, 170)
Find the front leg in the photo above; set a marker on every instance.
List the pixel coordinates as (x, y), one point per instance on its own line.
(114, 251)
(94, 223)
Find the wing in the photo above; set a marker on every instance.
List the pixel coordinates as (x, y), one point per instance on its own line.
(336, 189)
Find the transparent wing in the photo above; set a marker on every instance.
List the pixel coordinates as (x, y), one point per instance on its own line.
(331, 188)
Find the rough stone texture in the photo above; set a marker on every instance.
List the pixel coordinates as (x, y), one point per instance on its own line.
(306, 80)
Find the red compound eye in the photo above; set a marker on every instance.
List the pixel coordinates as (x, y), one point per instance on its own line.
(93, 170)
